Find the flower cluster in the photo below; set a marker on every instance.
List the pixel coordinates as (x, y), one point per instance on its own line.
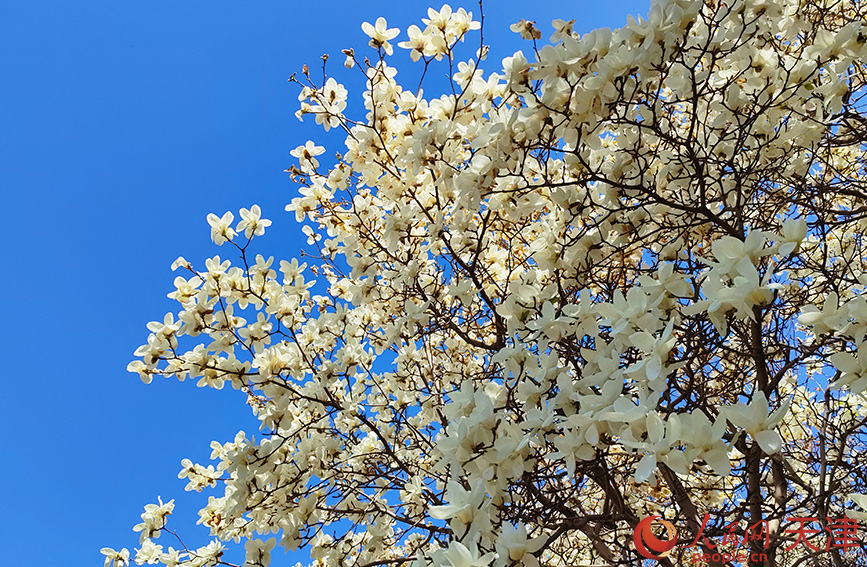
(621, 277)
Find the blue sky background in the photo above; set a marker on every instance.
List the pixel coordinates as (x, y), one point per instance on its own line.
(122, 125)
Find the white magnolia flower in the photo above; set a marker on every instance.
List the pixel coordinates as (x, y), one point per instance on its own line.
(252, 223)
(438, 19)
(149, 553)
(459, 555)
(154, 519)
(526, 29)
(562, 28)
(259, 552)
(115, 558)
(757, 421)
(517, 546)
(380, 34)
(853, 367)
(462, 503)
(221, 231)
(860, 500)
(306, 156)
(831, 317)
(794, 232)
(419, 42)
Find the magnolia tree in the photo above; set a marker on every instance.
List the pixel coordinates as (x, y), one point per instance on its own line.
(621, 277)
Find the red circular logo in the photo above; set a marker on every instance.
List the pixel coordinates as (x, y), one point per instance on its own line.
(648, 545)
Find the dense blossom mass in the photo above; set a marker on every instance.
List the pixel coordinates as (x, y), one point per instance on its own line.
(621, 276)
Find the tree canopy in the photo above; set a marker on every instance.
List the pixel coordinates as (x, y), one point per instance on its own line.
(623, 276)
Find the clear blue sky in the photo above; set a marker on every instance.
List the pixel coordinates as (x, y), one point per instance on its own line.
(122, 124)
